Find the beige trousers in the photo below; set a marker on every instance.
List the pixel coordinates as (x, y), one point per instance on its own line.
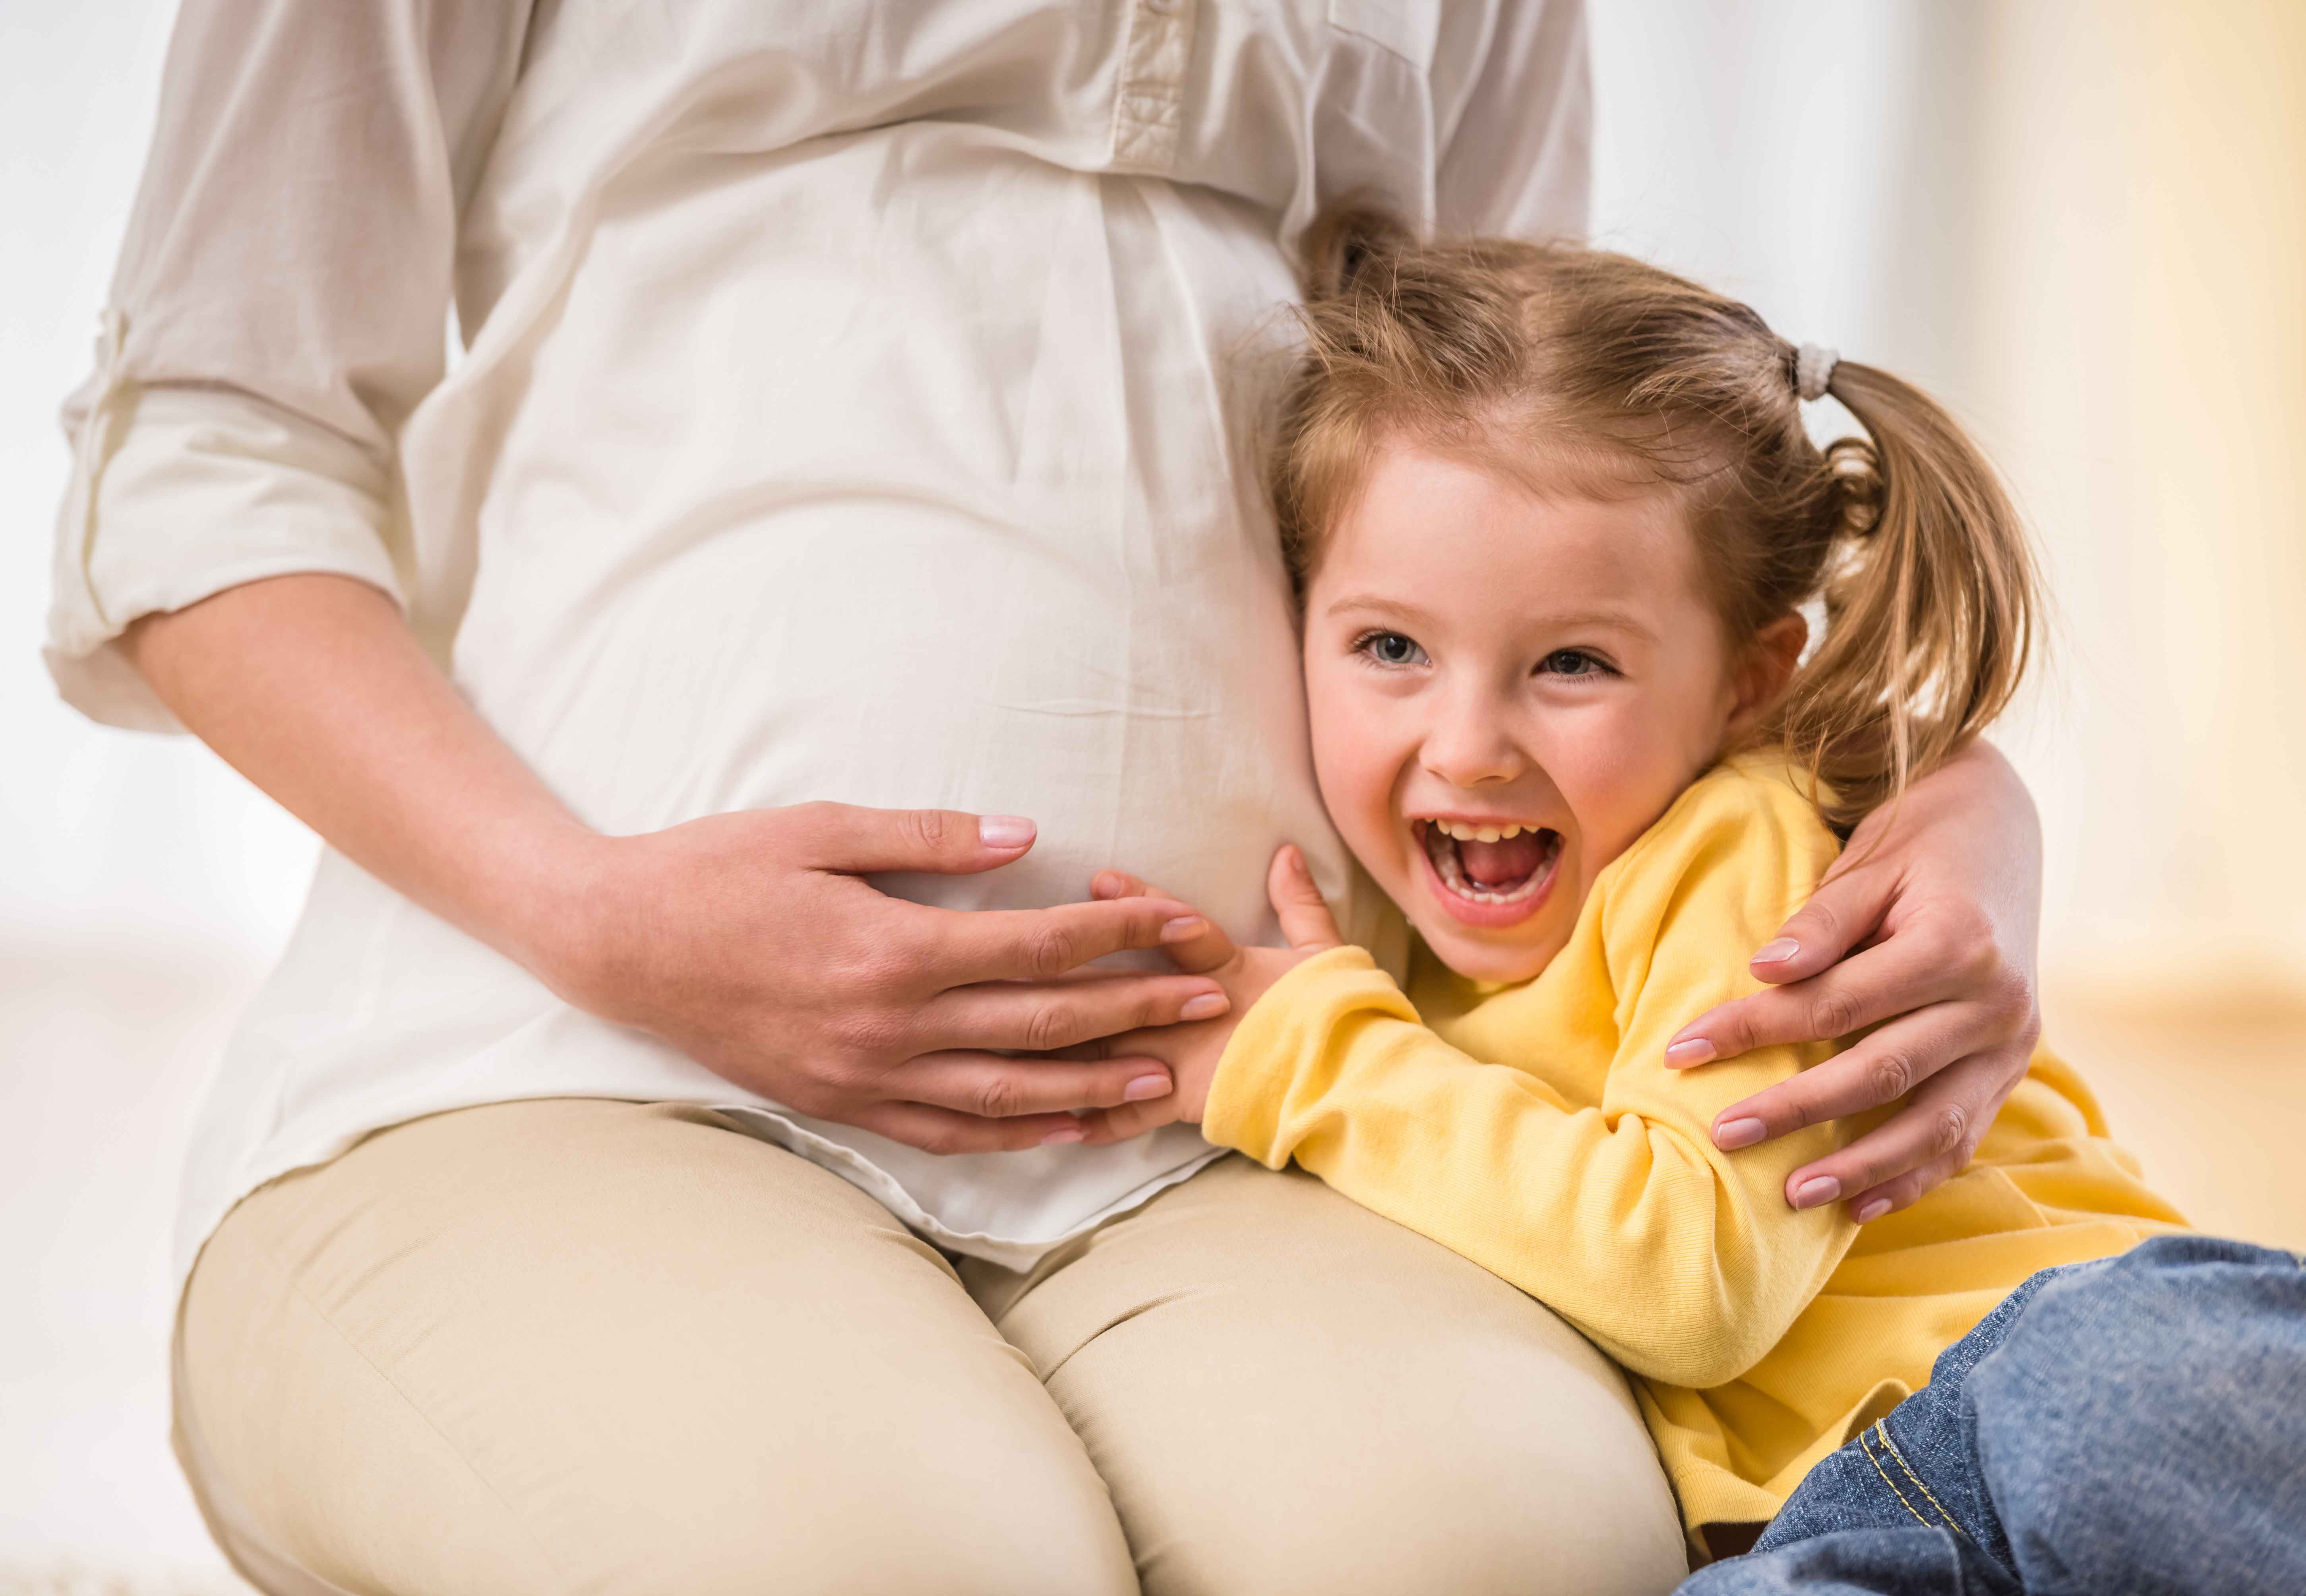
(608, 1347)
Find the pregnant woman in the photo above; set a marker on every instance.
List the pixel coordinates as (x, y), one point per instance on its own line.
(840, 516)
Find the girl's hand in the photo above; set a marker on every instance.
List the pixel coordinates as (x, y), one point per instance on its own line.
(1929, 925)
(1192, 1051)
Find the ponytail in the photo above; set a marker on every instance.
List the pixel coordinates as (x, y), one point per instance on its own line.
(1930, 599)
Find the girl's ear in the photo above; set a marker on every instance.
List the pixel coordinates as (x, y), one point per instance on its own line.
(1762, 675)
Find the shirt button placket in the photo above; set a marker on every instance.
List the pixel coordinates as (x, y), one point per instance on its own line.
(1148, 112)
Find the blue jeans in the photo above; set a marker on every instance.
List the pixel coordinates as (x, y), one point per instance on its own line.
(2129, 1426)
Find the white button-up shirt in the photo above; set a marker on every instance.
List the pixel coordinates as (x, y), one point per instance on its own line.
(857, 403)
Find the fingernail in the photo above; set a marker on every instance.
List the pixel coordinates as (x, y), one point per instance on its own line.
(1061, 1135)
(1004, 830)
(1872, 1210)
(1816, 1192)
(1146, 1088)
(1208, 1006)
(1733, 1134)
(1778, 952)
(1693, 1050)
(1182, 928)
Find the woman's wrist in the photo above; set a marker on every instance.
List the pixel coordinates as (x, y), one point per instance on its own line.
(553, 900)
(1977, 784)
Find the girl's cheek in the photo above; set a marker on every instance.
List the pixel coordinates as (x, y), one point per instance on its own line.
(1614, 771)
(1356, 777)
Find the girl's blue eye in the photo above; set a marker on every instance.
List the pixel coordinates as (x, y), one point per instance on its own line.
(1572, 661)
(1389, 648)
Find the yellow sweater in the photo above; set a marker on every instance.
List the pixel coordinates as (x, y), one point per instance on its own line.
(1535, 1129)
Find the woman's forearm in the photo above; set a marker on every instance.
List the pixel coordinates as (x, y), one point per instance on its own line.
(313, 687)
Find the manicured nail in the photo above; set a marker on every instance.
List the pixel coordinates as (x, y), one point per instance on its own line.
(1690, 1050)
(1816, 1192)
(1180, 928)
(1208, 1006)
(1872, 1210)
(1734, 1134)
(1061, 1135)
(1004, 830)
(1146, 1088)
(1778, 952)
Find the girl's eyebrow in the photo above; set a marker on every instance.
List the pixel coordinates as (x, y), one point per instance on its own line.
(1380, 602)
(1616, 621)
(1604, 617)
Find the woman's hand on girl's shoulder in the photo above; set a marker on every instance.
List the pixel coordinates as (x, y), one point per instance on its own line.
(1927, 931)
(1192, 1051)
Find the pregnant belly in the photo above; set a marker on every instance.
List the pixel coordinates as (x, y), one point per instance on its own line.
(894, 654)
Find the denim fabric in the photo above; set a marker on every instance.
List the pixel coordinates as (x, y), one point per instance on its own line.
(2131, 1427)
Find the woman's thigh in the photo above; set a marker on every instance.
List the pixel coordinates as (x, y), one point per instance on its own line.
(614, 1347)
(1288, 1394)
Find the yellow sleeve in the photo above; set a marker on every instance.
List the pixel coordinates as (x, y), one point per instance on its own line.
(1684, 1263)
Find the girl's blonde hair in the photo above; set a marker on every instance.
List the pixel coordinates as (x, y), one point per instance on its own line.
(1592, 372)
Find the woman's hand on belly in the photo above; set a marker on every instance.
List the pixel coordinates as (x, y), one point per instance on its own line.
(746, 940)
(750, 942)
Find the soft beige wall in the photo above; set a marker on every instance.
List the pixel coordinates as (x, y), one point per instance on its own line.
(2136, 330)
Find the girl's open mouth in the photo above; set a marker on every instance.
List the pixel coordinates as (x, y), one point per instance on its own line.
(1490, 876)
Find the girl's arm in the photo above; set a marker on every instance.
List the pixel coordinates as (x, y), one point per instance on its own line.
(1681, 1261)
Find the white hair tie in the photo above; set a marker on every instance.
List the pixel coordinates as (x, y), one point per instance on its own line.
(1813, 366)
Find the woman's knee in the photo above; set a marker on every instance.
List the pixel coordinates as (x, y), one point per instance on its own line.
(603, 1346)
(1289, 1393)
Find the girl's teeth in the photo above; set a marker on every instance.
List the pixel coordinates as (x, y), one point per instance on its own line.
(1464, 832)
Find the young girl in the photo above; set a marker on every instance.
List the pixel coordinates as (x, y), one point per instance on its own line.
(1555, 522)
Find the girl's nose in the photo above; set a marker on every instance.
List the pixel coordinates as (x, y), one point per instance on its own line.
(1468, 746)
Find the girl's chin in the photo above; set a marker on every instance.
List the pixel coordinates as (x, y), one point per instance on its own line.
(1504, 957)
(1478, 958)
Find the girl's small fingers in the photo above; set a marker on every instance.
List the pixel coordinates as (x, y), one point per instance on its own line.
(1193, 941)
(1305, 918)
(1932, 1137)
(1880, 1070)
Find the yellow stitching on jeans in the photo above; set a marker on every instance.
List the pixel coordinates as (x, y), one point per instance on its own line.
(1892, 1484)
(1951, 1523)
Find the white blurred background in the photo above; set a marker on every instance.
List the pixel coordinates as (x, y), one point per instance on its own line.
(2081, 222)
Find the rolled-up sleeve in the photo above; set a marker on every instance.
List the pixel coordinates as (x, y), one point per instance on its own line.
(1518, 158)
(279, 307)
